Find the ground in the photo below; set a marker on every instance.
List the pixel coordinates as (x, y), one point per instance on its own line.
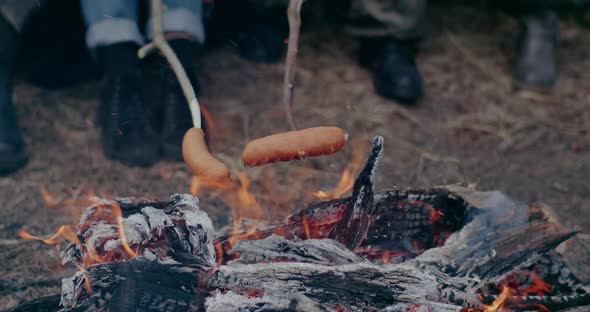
(473, 127)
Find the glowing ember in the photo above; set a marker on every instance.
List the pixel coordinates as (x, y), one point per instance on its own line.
(435, 215)
(386, 257)
(510, 297)
(306, 228)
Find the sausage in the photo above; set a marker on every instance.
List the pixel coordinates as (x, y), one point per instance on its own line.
(198, 158)
(294, 145)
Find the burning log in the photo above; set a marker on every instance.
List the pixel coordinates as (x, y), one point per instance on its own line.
(446, 249)
(352, 228)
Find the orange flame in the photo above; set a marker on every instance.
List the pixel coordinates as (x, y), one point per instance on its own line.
(250, 234)
(386, 257)
(119, 216)
(92, 255)
(219, 254)
(500, 300)
(49, 200)
(211, 126)
(538, 286)
(306, 228)
(65, 232)
(508, 298)
(347, 178)
(198, 183)
(248, 204)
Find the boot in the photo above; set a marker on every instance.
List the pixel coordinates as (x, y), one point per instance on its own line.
(127, 133)
(261, 40)
(395, 74)
(13, 155)
(176, 113)
(536, 56)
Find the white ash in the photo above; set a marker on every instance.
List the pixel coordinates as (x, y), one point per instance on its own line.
(319, 251)
(112, 244)
(157, 219)
(99, 232)
(192, 227)
(71, 288)
(137, 229)
(199, 226)
(232, 301)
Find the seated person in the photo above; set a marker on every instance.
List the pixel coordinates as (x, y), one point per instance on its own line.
(114, 37)
(389, 30)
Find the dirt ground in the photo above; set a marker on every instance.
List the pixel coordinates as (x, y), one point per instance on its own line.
(473, 127)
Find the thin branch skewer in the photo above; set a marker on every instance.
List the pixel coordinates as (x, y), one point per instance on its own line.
(294, 15)
(159, 42)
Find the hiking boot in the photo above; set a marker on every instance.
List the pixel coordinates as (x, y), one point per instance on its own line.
(395, 74)
(127, 133)
(261, 40)
(176, 115)
(536, 56)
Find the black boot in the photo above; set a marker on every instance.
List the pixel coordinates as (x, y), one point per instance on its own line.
(395, 74)
(127, 133)
(13, 155)
(536, 57)
(261, 40)
(176, 113)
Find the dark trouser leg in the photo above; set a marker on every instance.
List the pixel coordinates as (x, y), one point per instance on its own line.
(402, 19)
(12, 147)
(388, 30)
(535, 64)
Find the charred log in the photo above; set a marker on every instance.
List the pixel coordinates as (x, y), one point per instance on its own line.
(134, 285)
(352, 228)
(437, 250)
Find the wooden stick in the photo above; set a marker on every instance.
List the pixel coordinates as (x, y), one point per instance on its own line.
(293, 13)
(159, 42)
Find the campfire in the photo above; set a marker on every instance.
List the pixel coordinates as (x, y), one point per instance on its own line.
(444, 249)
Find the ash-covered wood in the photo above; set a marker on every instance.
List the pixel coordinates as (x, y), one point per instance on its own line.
(135, 285)
(444, 249)
(279, 249)
(174, 245)
(421, 281)
(155, 229)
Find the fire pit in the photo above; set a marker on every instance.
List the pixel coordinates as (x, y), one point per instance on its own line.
(444, 249)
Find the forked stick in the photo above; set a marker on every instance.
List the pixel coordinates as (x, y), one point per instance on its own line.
(194, 149)
(294, 15)
(293, 144)
(159, 42)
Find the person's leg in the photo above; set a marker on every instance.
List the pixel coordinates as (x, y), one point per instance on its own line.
(113, 36)
(183, 24)
(535, 64)
(13, 14)
(389, 31)
(258, 27)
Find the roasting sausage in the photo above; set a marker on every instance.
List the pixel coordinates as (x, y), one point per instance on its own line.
(198, 158)
(294, 145)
